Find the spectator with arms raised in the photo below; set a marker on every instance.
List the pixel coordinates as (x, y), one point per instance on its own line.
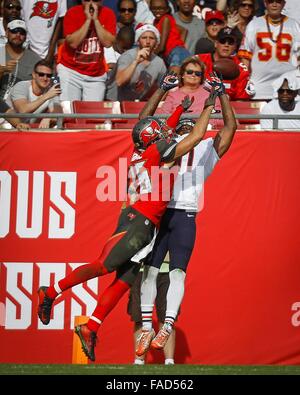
(191, 77)
(82, 70)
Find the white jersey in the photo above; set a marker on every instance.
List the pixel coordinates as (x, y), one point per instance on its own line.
(195, 167)
(273, 107)
(40, 18)
(271, 53)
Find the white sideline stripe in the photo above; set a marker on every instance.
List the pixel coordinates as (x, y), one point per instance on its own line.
(95, 319)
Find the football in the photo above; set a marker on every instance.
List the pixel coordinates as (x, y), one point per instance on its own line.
(227, 68)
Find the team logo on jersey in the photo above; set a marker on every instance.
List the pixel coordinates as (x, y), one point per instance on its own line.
(131, 216)
(44, 9)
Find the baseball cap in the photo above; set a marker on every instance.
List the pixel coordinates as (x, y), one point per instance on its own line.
(226, 32)
(17, 24)
(214, 14)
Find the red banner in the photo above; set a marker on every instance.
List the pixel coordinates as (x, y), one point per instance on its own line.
(244, 272)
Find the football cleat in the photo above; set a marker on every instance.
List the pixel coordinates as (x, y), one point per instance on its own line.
(88, 340)
(45, 305)
(144, 341)
(160, 340)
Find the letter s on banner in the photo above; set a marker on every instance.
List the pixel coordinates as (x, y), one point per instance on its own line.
(17, 296)
(57, 179)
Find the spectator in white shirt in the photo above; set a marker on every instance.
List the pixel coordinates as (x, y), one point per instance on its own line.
(286, 102)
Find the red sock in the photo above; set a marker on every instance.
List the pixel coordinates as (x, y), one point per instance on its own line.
(107, 302)
(86, 272)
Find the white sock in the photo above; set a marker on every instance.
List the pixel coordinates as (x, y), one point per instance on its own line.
(148, 295)
(175, 294)
(139, 362)
(169, 361)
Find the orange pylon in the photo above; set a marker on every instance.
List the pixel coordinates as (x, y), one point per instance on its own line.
(78, 356)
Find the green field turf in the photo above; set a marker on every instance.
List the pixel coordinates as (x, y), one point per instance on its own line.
(96, 369)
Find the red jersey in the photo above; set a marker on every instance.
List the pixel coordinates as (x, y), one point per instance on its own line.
(234, 88)
(87, 58)
(150, 182)
(174, 40)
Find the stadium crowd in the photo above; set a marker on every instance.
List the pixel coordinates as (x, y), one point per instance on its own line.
(119, 50)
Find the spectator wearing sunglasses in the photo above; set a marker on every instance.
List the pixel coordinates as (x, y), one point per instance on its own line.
(225, 48)
(44, 25)
(269, 48)
(127, 12)
(191, 77)
(88, 28)
(214, 22)
(38, 95)
(19, 61)
(10, 9)
(286, 102)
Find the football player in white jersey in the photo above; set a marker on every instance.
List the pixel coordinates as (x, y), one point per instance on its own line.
(270, 48)
(178, 228)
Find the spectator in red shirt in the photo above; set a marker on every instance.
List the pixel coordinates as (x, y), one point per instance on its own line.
(88, 28)
(225, 47)
(171, 47)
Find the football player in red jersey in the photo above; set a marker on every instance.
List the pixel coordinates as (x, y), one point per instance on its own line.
(225, 47)
(137, 223)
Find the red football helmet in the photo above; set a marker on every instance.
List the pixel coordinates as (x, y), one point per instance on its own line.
(146, 131)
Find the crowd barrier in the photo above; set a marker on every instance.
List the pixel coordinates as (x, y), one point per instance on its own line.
(242, 301)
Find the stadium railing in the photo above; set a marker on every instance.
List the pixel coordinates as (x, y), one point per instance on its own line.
(63, 125)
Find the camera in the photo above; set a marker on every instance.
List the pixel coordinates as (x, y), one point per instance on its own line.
(55, 80)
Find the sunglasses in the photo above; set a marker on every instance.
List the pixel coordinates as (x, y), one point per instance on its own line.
(246, 5)
(11, 6)
(18, 30)
(281, 91)
(130, 10)
(274, 1)
(190, 72)
(214, 22)
(40, 74)
(228, 40)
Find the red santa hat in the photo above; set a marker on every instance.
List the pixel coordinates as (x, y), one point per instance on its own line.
(147, 27)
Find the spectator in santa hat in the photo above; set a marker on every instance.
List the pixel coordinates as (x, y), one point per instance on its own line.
(139, 70)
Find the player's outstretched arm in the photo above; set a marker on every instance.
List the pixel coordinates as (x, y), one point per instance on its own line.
(198, 132)
(225, 136)
(169, 81)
